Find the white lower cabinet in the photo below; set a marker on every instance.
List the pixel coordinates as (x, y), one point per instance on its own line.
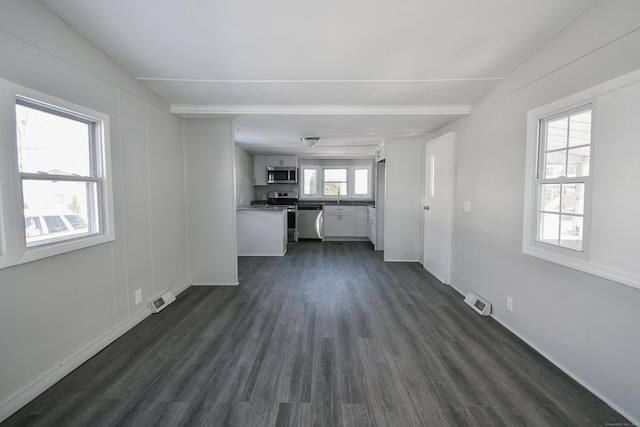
(339, 221)
(371, 222)
(261, 232)
(348, 222)
(362, 223)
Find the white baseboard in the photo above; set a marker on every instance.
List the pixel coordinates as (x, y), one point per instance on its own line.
(215, 284)
(33, 390)
(567, 371)
(37, 387)
(181, 288)
(563, 368)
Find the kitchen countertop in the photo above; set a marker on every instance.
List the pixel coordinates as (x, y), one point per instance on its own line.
(261, 208)
(265, 204)
(368, 203)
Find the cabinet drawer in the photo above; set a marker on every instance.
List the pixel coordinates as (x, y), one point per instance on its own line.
(340, 209)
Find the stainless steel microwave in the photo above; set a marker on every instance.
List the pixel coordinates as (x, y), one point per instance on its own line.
(282, 175)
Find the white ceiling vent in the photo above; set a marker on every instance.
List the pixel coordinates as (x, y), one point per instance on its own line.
(478, 303)
(162, 302)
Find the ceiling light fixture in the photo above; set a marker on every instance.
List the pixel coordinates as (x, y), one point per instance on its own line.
(311, 140)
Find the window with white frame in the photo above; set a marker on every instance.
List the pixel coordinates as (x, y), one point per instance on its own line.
(310, 180)
(56, 194)
(361, 181)
(334, 182)
(579, 206)
(562, 180)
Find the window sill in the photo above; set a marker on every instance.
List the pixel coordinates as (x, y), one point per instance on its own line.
(46, 251)
(616, 275)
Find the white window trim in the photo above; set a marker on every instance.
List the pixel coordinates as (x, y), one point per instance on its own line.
(323, 182)
(350, 182)
(318, 193)
(551, 253)
(586, 215)
(13, 249)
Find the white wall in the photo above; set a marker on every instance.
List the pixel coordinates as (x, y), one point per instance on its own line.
(585, 324)
(402, 202)
(211, 201)
(57, 312)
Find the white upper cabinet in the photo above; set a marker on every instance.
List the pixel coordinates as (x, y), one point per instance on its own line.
(285, 161)
(259, 169)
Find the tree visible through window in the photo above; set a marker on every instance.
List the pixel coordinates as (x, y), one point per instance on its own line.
(58, 161)
(309, 181)
(335, 182)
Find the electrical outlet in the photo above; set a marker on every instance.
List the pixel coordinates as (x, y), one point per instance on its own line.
(138, 296)
(509, 303)
(467, 206)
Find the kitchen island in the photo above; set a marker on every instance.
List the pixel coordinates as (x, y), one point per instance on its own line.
(261, 230)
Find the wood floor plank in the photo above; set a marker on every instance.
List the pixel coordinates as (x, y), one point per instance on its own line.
(327, 335)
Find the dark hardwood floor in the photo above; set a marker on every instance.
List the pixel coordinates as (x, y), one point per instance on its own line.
(328, 335)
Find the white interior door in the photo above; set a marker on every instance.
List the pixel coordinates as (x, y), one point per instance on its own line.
(438, 207)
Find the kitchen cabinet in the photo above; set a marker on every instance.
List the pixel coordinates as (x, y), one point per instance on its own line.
(259, 169)
(339, 221)
(362, 223)
(371, 220)
(261, 231)
(276, 160)
(381, 152)
(261, 161)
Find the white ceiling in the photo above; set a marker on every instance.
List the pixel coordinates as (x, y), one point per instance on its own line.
(352, 72)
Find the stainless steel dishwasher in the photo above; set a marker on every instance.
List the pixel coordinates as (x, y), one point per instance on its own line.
(309, 221)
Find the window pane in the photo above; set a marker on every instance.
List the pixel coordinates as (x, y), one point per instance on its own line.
(310, 181)
(549, 228)
(52, 143)
(579, 159)
(555, 164)
(335, 182)
(335, 175)
(76, 221)
(556, 133)
(550, 200)
(573, 198)
(580, 129)
(571, 231)
(58, 209)
(335, 188)
(361, 185)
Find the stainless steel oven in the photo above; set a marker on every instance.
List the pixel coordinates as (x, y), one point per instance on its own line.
(288, 199)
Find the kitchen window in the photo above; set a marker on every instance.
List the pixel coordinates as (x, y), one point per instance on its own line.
(310, 180)
(333, 182)
(361, 182)
(56, 192)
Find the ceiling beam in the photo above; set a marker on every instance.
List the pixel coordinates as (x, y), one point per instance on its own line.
(335, 110)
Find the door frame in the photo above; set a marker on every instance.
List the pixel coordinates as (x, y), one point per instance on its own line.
(448, 139)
